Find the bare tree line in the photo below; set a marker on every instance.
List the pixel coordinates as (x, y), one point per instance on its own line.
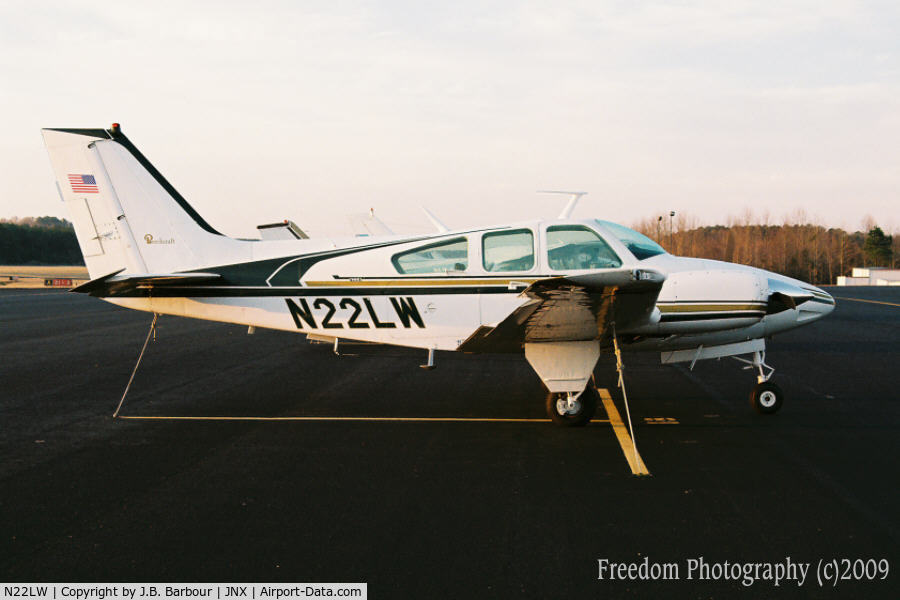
(38, 241)
(798, 247)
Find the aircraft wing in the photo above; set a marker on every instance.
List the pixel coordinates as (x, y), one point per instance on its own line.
(574, 308)
(367, 224)
(116, 282)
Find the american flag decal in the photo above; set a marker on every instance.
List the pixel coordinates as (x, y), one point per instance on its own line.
(83, 184)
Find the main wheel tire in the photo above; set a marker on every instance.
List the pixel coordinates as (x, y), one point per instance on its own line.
(766, 398)
(587, 402)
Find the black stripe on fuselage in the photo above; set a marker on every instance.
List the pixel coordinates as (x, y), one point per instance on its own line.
(671, 318)
(504, 276)
(284, 271)
(286, 292)
(668, 302)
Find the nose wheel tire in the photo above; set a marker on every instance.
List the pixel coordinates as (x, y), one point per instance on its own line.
(578, 415)
(766, 398)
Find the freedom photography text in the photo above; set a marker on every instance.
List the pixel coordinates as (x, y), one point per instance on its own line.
(787, 571)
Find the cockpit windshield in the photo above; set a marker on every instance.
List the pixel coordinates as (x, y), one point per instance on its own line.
(638, 244)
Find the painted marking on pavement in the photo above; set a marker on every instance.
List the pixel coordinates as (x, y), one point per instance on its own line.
(371, 419)
(635, 462)
(867, 301)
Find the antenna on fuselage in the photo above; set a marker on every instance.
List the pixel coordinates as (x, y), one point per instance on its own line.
(574, 197)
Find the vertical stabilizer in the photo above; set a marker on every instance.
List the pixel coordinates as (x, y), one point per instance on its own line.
(126, 215)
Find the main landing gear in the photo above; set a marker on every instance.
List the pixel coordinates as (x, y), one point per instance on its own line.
(570, 409)
(566, 368)
(765, 397)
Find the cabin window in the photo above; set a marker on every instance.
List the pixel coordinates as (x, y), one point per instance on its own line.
(508, 250)
(444, 257)
(573, 247)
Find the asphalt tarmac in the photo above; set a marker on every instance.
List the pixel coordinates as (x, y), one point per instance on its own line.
(434, 509)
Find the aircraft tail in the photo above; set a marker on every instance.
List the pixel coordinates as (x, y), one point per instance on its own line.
(127, 217)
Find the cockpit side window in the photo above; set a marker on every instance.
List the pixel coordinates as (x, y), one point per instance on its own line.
(444, 257)
(508, 250)
(638, 244)
(573, 247)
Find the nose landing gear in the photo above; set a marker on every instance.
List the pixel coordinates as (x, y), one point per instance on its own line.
(765, 397)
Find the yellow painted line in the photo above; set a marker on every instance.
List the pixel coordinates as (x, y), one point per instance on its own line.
(369, 419)
(635, 462)
(868, 301)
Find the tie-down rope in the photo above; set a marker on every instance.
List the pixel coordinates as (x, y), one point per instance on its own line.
(151, 333)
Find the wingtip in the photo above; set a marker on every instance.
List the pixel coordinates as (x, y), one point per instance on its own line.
(435, 221)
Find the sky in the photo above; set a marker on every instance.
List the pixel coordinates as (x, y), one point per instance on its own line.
(314, 111)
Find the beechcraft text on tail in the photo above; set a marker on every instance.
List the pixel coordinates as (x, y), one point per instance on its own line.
(562, 291)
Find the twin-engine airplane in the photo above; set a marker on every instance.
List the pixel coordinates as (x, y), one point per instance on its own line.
(562, 291)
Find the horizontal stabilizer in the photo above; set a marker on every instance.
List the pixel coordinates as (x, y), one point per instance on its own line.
(286, 230)
(116, 282)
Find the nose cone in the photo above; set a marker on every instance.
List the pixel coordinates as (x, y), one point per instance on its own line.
(807, 302)
(818, 306)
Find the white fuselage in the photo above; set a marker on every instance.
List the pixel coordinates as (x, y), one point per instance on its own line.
(559, 291)
(353, 290)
